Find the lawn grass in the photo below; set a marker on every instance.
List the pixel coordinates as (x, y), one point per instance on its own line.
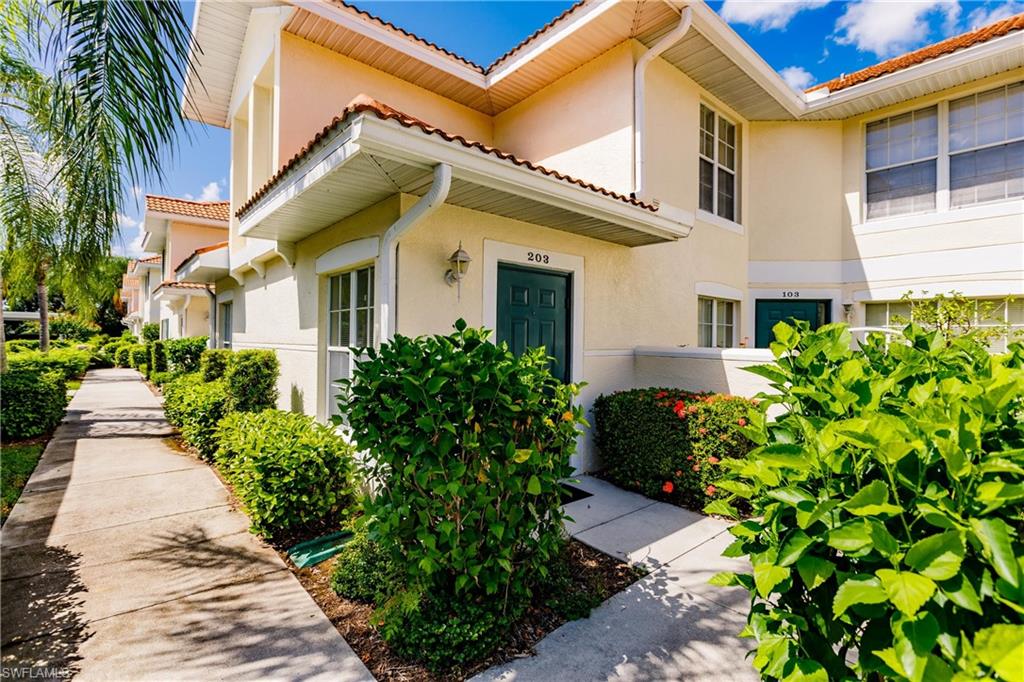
(17, 462)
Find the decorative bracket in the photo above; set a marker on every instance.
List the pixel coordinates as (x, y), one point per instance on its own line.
(286, 250)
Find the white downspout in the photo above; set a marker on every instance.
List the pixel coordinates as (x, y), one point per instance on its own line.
(639, 71)
(212, 297)
(387, 275)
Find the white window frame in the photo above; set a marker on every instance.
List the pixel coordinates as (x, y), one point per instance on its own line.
(942, 183)
(226, 323)
(978, 147)
(715, 322)
(941, 141)
(715, 165)
(977, 300)
(330, 405)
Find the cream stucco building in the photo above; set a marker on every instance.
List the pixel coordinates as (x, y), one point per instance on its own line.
(636, 189)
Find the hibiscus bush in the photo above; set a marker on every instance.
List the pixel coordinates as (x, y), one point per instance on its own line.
(667, 443)
(886, 538)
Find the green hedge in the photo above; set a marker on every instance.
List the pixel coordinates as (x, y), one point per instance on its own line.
(668, 444)
(33, 402)
(71, 363)
(886, 536)
(122, 354)
(157, 357)
(213, 363)
(289, 471)
(252, 380)
(151, 332)
(205, 404)
(64, 327)
(183, 354)
(138, 356)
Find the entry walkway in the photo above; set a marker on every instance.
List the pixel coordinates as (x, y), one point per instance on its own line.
(124, 560)
(669, 625)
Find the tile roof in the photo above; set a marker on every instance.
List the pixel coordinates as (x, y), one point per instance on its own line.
(151, 259)
(201, 249)
(948, 46)
(365, 104)
(208, 210)
(183, 285)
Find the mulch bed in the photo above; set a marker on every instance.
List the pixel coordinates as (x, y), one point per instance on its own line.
(588, 567)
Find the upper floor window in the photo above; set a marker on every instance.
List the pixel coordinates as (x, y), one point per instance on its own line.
(986, 146)
(902, 153)
(719, 178)
(716, 322)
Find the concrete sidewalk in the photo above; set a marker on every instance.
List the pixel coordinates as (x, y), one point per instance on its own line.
(124, 560)
(670, 625)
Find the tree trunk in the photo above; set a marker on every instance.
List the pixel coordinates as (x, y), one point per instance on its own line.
(42, 295)
(3, 329)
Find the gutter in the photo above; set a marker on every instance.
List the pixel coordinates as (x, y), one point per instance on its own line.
(639, 89)
(387, 275)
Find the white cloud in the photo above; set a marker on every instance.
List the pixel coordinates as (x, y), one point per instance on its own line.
(130, 229)
(983, 16)
(889, 27)
(211, 191)
(766, 14)
(797, 77)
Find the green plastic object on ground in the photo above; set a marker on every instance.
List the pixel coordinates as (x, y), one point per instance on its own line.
(319, 549)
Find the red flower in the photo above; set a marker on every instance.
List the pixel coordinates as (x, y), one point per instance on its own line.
(679, 473)
(702, 431)
(668, 487)
(710, 490)
(741, 421)
(713, 460)
(660, 394)
(696, 467)
(680, 405)
(689, 458)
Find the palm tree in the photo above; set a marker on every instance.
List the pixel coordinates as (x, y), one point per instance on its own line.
(107, 118)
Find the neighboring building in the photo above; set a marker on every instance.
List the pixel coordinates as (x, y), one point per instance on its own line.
(138, 284)
(176, 287)
(631, 183)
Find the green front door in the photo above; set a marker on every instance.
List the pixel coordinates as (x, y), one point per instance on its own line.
(771, 312)
(533, 311)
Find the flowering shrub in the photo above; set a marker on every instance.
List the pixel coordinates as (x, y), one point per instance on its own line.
(886, 537)
(669, 444)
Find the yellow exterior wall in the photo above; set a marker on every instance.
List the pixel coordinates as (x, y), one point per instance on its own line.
(183, 238)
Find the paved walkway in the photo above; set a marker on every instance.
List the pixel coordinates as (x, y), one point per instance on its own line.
(670, 625)
(123, 560)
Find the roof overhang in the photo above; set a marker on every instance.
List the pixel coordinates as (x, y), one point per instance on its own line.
(208, 266)
(175, 291)
(368, 159)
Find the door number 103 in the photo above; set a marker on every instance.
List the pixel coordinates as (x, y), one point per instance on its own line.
(537, 257)
(790, 294)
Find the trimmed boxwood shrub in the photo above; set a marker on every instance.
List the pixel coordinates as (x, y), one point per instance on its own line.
(175, 394)
(183, 354)
(71, 363)
(33, 402)
(122, 355)
(161, 378)
(252, 380)
(468, 445)
(213, 363)
(204, 405)
(289, 471)
(669, 444)
(138, 356)
(151, 332)
(157, 357)
(886, 538)
(365, 570)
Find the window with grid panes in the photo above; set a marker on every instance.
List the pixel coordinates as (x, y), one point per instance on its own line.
(901, 157)
(716, 322)
(349, 325)
(986, 146)
(719, 181)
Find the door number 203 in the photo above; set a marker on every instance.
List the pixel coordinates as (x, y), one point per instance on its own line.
(536, 257)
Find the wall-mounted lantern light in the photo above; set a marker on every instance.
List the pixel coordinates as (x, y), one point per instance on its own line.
(459, 262)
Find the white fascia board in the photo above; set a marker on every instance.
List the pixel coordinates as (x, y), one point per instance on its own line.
(334, 153)
(261, 36)
(381, 34)
(1004, 44)
(179, 218)
(550, 38)
(412, 146)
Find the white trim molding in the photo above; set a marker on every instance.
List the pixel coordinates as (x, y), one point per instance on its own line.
(718, 290)
(347, 255)
(795, 271)
(720, 222)
(747, 354)
(971, 289)
(496, 252)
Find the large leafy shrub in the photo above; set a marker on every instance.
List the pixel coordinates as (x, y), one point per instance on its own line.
(668, 444)
(33, 402)
(183, 354)
(138, 355)
(887, 538)
(289, 471)
(151, 332)
(122, 354)
(252, 380)
(157, 357)
(204, 405)
(467, 447)
(175, 393)
(71, 363)
(65, 327)
(213, 363)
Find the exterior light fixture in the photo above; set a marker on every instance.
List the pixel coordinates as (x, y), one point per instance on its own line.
(459, 262)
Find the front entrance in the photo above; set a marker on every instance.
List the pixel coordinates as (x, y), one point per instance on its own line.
(534, 311)
(770, 312)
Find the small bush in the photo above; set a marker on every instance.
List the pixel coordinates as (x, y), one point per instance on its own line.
(252, 380)
(18, 345)
(65, 327)
(138, 356)
(205, 405)
(33, 402)
(289, 471)
(886, 538)
(157, 357)
(71, 363)
(183, 354)
(668, 444)
(176, 392)
(213, 363)
(365, 571)
(161, 378)
(151, 332)
(122, 354)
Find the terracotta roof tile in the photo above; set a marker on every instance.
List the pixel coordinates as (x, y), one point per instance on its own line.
(948, 46)
(151, 259)
(183, 285)
(365, 104)
(207, 210)
(201, 249)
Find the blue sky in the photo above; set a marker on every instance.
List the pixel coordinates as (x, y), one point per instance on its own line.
(807, 41)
